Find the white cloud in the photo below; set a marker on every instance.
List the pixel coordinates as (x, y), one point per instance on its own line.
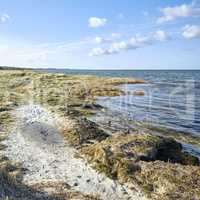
(100, 40)
(117, 47)
(182, 11)
(132, 43)
(191, 31)
(113, 49)
(95, 22)
(97, 51)
(4, 18)
(161, 36)
(139, 41)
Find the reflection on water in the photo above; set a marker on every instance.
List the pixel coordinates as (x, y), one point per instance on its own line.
(172, 105)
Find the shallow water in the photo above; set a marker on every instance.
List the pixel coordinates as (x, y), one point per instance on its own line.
(172, 98)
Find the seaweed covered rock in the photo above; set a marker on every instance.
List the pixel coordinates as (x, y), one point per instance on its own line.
(80, 131)
(146, 147)
(150, 164)
(170, 150)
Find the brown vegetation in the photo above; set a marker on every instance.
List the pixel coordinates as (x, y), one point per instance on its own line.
(146, 162)
(79, 131)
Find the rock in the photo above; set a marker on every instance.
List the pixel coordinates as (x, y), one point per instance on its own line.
(75, 184)
(169, 150)
(92, 106)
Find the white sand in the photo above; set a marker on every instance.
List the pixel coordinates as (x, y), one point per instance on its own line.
(37, 144)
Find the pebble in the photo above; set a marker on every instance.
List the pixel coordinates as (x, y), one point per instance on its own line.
(75, 184)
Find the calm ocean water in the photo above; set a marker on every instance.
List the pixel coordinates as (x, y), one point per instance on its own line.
(172, 98)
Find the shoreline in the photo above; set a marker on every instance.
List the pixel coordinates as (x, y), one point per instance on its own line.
(118, 162)
(191, 142)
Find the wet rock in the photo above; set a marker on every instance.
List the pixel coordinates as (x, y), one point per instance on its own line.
(169, 150)
(92, 106)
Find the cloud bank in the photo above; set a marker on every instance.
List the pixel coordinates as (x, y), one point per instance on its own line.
(132, 43)
(182, 11)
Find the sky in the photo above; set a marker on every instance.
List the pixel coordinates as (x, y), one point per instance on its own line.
(100, 34)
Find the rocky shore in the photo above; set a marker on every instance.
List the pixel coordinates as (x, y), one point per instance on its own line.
(51, 150)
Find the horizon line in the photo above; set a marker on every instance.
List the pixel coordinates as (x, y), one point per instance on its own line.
(107, 69)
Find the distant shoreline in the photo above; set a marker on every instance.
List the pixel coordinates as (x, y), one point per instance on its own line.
(87, 69)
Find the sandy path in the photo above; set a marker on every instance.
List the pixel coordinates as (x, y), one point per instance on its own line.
(37, 144)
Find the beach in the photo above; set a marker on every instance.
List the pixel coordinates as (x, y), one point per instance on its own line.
(52, 142)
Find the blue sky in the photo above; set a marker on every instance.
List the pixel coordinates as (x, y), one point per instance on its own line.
(100, 34)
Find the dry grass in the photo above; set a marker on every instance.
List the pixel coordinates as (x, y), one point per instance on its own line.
(166, 181)
(138, 160)
(17, 87)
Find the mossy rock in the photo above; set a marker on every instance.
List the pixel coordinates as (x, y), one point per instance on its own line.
(80, 131)
(119, 154)
(138, 160)
(169, 150)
